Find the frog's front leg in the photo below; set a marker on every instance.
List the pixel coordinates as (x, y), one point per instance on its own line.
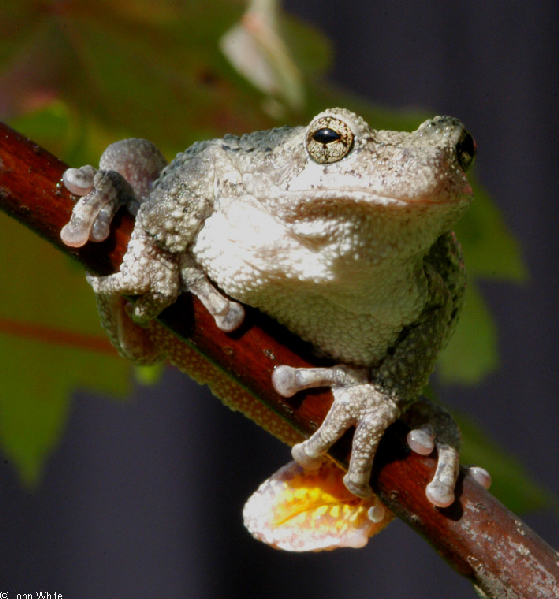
(152, 274)
(228, 314)
(357, 403)
(157, 277)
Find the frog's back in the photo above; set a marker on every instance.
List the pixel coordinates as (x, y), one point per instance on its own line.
(186, 192)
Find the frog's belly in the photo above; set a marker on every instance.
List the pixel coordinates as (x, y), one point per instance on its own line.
(339, 333)
(348, 335)
(301, 286)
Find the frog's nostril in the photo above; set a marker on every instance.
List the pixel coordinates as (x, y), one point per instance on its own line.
(465, 150)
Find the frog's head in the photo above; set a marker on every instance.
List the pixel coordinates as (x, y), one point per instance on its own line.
(409, 184)
(333, 134)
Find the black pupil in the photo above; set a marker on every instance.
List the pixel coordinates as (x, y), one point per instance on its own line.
(326, 136)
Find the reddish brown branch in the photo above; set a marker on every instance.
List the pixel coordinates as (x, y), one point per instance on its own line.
(480, 538)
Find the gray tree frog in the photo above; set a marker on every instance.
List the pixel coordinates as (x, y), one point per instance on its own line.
(340, 232)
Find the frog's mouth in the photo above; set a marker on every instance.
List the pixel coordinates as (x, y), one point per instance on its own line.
(296, 206)
(355, 223)
(413, 183)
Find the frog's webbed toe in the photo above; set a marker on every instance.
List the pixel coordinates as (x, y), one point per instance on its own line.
(288, 380)
(359, 403)
(126, 172)
(356, 403)
(432, 426)
(103, 192)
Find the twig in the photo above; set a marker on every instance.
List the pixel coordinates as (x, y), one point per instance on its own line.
(477, 535)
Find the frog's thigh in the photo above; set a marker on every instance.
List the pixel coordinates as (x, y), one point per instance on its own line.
(139, 161)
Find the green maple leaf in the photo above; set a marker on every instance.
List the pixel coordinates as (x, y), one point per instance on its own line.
(50, 345)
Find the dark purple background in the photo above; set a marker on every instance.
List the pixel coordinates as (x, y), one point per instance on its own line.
(144, 499)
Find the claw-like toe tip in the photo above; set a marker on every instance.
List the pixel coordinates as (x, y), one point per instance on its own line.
(480, 475)
(79, 181)
(421, 441)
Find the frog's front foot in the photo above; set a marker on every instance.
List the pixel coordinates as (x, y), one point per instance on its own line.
(126, 172)
(228, 314)
(102, 193)
(433, 427)
(357, 403)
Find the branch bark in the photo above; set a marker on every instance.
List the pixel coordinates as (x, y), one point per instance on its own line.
(477, 535)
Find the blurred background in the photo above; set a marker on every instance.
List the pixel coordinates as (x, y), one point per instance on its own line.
(143, 498)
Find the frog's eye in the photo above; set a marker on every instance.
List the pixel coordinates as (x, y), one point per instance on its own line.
(465, 150)
(329, 139)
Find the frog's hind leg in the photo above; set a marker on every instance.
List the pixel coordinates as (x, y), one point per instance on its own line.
(126, 172)
(432, 426)
(356, 403)
(130, 340)
(152, 274)
(359, 403)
